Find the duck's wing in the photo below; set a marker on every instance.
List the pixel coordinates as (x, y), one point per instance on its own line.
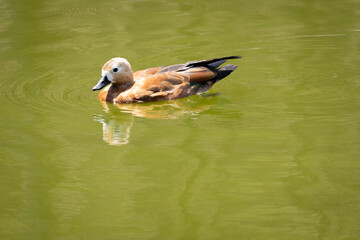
(157, 70)
(176, 81)
(167, 85)
(199, 71)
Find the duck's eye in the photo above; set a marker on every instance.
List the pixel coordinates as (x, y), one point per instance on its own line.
(115, 69)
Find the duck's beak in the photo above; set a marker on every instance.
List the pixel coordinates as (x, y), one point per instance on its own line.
(102, 83)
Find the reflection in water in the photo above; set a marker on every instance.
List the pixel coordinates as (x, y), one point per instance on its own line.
(115, 131)
(119, 118)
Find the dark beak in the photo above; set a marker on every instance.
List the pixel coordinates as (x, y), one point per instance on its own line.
(102, 83)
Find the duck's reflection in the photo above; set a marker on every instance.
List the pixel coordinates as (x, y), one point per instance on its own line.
(115, 131)
(118, 119)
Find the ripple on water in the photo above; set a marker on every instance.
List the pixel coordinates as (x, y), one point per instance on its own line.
(42, 91)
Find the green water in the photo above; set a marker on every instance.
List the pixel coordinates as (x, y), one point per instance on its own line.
(271, 153)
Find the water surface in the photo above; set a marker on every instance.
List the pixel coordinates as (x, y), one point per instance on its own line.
(272, 152)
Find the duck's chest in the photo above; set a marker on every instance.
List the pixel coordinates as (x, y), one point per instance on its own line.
(112, 94)
(115, 90)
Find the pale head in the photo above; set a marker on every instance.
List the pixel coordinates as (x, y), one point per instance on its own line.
(115, 71)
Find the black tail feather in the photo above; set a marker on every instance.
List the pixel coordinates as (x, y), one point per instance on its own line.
(224, 71)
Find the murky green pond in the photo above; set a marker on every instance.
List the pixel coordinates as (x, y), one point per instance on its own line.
(272, 152)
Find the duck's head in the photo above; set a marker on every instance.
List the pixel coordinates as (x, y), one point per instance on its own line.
(115, 71)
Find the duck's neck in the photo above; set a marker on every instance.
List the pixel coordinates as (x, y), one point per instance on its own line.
(116, 89)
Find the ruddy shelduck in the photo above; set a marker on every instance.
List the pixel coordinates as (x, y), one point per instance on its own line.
(159, 83)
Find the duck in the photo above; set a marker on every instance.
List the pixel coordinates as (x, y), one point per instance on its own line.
(119, 84)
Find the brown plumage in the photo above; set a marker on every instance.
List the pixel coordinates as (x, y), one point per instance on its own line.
(159, 83)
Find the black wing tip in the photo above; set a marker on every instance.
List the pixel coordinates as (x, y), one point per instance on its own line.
(226, 58)
(209, 62)
(232, 57)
